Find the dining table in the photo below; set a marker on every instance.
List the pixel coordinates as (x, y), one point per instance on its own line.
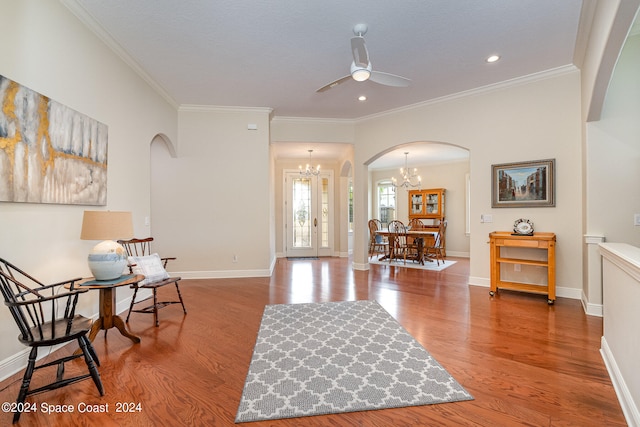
(429, 237)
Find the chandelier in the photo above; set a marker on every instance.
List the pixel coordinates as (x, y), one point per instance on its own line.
(409, 178)
(309, 171)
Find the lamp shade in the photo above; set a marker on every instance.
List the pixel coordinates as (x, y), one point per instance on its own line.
(106, 225)
(107, 259)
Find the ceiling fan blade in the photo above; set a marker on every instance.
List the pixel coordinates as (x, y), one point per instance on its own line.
(334, 83)
(360, 54)
(389, 79)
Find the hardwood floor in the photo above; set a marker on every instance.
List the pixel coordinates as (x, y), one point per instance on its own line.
(526, 363)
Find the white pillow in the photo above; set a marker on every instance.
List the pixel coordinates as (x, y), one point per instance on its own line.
(150, 266)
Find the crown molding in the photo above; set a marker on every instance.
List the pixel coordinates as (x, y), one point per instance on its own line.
(89, 21)
(288, 119)
(518, 81)
(76, 8)
(194, 108)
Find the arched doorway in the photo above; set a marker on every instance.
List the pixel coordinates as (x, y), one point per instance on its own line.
(439, 165)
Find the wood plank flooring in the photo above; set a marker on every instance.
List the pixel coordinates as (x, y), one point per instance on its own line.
(526, 363)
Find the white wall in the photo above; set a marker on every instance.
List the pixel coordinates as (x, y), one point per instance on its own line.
(620, 344)
(212, 201)
(613, 154)
(537, 118)
(48, 50)
(613, 172)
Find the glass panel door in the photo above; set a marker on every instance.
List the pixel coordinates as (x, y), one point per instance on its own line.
(308, 215)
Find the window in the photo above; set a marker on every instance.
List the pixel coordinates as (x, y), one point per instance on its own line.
(386, 202)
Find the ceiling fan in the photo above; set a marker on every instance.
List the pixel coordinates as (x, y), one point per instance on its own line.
(361, 69)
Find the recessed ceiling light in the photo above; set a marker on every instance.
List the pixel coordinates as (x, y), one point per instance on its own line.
(493, 58)
(362, 98)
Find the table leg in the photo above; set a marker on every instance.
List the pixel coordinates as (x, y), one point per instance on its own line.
(108, 319)
(119, 323)
(95, 328)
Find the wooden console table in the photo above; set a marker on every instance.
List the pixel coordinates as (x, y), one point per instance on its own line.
(543, 241)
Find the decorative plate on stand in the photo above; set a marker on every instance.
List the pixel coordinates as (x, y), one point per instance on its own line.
(523, 227)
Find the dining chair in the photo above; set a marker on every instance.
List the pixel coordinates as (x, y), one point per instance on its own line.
(36, 307)
(437, 249)
(377, 244)
(143, 261)
(401, 248)
(415, 224)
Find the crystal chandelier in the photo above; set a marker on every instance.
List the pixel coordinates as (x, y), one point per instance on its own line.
(309, 171)
(409, 178)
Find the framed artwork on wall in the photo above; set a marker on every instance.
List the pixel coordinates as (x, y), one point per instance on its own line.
(523, 184)
(49, 153)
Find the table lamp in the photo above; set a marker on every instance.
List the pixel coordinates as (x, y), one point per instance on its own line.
(107, 259)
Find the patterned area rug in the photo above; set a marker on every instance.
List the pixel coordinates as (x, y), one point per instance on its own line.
(432, 266)
(314, 359)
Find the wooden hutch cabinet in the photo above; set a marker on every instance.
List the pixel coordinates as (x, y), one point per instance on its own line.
(429, 204)
(424, 204)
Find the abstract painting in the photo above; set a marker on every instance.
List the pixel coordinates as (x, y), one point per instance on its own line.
(49, 153)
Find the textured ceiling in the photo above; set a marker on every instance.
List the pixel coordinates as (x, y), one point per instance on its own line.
(276, 54)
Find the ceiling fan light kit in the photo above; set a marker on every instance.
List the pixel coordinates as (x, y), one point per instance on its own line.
(361, 69)
(360, 74)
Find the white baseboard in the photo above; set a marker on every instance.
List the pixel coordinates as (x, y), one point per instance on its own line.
(458, 254)
(227, 274)
(479, 281)
(591, 309)
(571, 293)
(15, 363)
(629, 408)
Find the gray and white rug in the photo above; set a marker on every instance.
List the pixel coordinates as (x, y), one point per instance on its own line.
(327, 358)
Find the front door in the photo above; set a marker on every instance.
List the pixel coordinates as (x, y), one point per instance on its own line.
(308, 214)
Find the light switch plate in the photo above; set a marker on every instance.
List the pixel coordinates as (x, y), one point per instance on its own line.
(636, 219)
(486, 218)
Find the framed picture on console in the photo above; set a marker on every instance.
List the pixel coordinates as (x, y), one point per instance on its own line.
(523, 184)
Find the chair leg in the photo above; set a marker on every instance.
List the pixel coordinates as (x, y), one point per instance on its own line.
(60, 372)
(26, 380)
(155, 306)
(180, 298)
(133, 301)
(92, 350)
(85, 344)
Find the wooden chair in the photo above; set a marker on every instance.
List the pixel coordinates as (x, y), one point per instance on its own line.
(415, 224)
(376, 244)
(35, 308)
(437, 249)
(140, 250)
(401, 247)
